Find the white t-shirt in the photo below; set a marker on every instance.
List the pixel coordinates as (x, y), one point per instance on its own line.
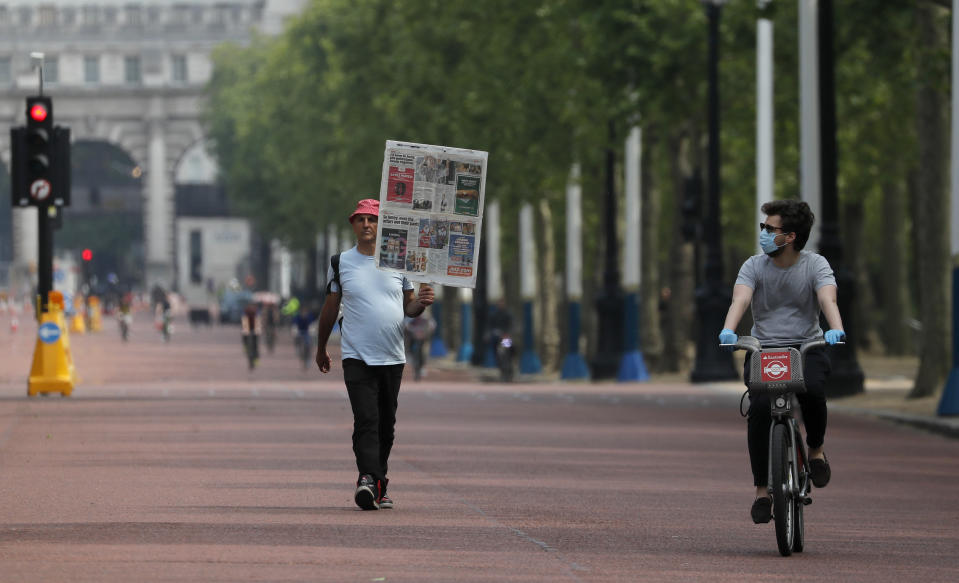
(785, 305)
(372, 304)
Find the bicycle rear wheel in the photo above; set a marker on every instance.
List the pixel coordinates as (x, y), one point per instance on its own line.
(799, 522)
(784, 511)
(799, 536)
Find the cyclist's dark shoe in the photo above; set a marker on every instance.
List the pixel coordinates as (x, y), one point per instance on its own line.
(819, 472)
(762, 510)
(367, 493)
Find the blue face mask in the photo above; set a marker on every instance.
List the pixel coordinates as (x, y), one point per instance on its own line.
(767, 242)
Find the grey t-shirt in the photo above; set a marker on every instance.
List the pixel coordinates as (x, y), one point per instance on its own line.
(784, 305)
(372, 303)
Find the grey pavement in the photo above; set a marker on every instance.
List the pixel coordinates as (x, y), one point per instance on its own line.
(173, 462)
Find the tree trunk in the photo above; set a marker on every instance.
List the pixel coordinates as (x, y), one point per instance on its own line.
(865, 305)
(677, 296)
(893, 330)
(931, 213)
(549, 287)
(650, 334)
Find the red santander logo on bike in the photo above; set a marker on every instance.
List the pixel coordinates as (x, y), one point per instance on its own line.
(775, 366)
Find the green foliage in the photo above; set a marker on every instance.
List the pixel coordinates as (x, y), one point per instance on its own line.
(299, 122)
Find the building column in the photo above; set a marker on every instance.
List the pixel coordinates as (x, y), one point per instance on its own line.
(159, 209)
(26, 251)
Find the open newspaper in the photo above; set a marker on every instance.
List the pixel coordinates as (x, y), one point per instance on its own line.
(431, 212)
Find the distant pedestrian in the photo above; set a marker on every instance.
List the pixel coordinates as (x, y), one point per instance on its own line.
(418, 333)
(374, 304)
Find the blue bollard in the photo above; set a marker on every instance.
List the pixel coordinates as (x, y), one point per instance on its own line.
(466, 332)
(574, 365)
(529, 362)
(949, 403)
(631, 367)
(437, 347)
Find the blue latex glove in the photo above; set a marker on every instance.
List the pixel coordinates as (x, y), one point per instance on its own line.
(834, 336)
(727, 336)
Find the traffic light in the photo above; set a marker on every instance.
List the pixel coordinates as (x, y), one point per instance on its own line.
(87, 255)
(40, 148)
(40, 158)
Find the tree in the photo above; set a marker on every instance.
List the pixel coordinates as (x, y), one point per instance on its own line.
(932, 246)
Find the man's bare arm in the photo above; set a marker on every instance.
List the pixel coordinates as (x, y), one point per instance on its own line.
(331, 309)
(414, 306)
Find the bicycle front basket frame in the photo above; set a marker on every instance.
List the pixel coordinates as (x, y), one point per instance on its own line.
(776, 370)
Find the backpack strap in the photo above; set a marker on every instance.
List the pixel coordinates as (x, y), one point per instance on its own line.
(335, 264)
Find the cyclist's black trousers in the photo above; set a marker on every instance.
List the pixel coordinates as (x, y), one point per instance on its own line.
(373, 392)
(812, 402)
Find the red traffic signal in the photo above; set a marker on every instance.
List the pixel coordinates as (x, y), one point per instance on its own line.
(87, 255)
(38, 112)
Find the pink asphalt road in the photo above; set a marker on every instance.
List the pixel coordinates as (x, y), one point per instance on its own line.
(173, 462)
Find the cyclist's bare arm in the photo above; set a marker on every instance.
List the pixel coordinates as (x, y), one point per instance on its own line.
(827, 302)
(742, 295)
(331, 309)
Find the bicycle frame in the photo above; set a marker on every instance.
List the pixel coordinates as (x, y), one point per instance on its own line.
(778, 373)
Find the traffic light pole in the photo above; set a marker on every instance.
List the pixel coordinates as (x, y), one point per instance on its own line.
(45, 256)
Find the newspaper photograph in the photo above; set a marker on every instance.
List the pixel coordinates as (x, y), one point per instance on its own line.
(431, 212)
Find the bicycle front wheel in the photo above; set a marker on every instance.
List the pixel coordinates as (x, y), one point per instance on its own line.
(799, 525)
(783, 508)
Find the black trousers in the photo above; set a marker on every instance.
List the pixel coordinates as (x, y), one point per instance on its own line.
(813, 406)
(373, 392)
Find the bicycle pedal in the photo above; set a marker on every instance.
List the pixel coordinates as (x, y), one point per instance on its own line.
(806, 501)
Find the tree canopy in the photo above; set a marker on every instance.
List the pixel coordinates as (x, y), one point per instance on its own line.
(299, 121)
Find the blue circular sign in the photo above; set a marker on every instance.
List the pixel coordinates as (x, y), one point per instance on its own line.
(49, 333)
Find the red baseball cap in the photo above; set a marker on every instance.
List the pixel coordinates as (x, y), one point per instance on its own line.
(367, 206)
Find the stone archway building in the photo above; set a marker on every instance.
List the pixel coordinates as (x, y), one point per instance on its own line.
(128, 72)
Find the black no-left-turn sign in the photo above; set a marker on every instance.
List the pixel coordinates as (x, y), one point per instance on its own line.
(40, 189)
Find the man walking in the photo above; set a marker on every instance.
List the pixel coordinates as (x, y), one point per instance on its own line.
(374, 304)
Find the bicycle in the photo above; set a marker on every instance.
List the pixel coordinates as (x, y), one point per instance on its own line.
(779, 372)
(125, 319)
(304, 344)
(251, 348)
(505, 353)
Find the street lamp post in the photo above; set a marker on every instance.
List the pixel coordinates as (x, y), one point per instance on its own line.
(949, 402)
(712, 298)
(609, 304)
(846, 377)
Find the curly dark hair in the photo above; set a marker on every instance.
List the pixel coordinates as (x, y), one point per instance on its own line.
(797, 218)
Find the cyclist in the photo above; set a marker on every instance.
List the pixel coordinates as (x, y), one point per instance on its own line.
(124, 316)
(786, 288)
(165, 317)
(271, 317)
(304, 342)
(250, 328)
(418, 330)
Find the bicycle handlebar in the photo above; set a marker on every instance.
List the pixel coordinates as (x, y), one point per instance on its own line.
(751, 344)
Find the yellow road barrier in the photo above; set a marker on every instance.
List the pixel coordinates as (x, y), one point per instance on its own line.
(52, 370)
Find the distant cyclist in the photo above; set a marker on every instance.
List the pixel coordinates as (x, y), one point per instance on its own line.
(419, 330)
(786, 288)
(124, 315)
(250, 327)
(304, 340)
(165, 317)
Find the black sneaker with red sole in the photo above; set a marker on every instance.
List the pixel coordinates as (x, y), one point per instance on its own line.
(367, 493)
